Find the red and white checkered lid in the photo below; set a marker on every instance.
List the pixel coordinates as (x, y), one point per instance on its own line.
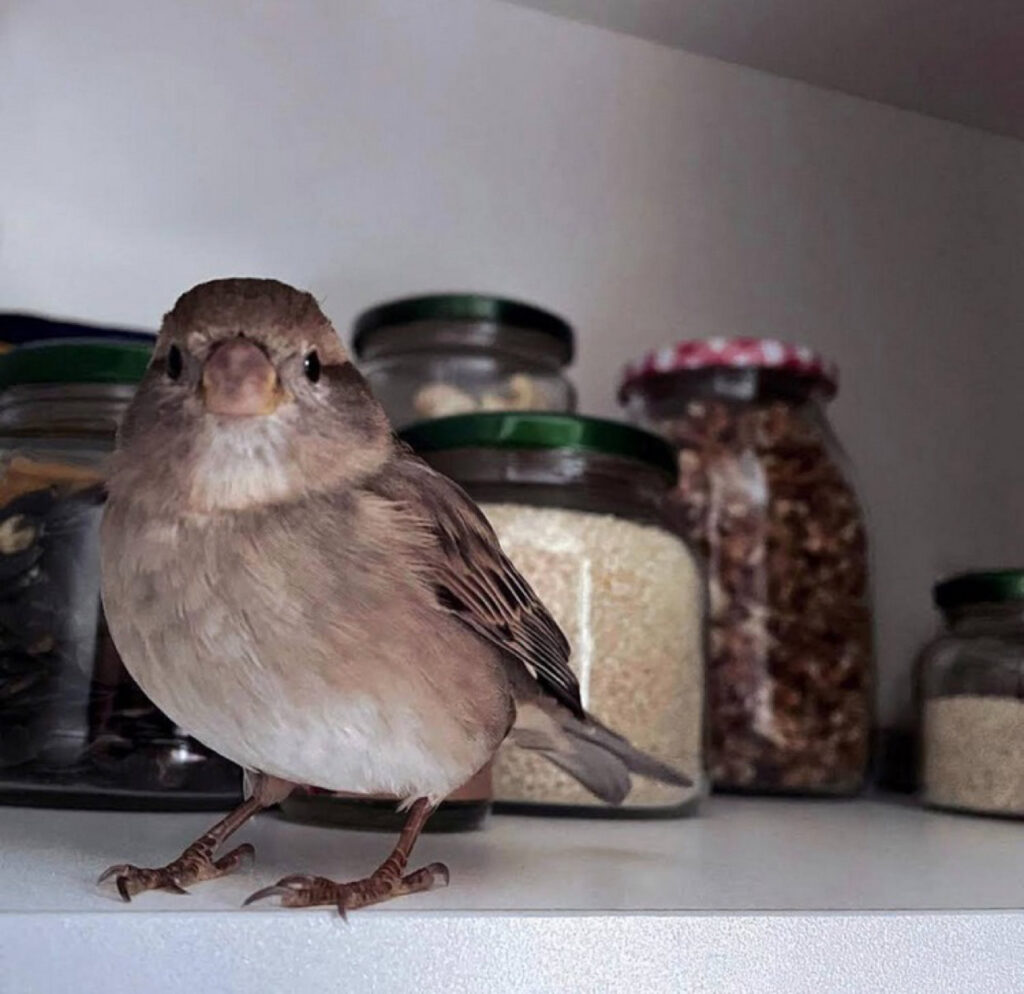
(731, 353)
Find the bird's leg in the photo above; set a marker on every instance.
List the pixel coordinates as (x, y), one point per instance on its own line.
(387, 881)
(197, 862)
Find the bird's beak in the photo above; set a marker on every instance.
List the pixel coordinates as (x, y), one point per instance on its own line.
(240, 381)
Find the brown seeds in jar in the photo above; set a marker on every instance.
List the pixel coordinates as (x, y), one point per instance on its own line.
(764, 500)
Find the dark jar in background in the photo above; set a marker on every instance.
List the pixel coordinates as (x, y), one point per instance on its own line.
(578, 506)
(765, 495)
(970, 686)
(75, 730)
(444, 354)
(465, 810)
(18, 328)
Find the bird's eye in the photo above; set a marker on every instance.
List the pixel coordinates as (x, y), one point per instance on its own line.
(311, 366)
(175, 363)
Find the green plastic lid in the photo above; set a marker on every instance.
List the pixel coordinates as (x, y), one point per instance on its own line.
(463, 307)
(74, 362)
(507, 430)
(989, 587)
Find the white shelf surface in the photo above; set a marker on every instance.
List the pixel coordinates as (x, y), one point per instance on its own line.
(752, 895)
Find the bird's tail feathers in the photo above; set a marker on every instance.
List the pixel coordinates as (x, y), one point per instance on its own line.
(590, 752)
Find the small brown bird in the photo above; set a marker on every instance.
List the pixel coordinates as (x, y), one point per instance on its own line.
(290, 584)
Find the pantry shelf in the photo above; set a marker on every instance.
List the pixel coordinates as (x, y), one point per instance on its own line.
(753, 895)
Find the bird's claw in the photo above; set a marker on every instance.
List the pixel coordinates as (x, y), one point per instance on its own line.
(299, 890)
(246, 852)
(131, 880)
(439, 873)
(195, 864)
(111, 871)
(277, 890)
(306, 891)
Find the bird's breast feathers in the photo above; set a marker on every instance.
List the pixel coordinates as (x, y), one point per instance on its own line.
(250, 642)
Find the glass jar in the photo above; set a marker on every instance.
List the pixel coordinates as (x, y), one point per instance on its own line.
(75, 730)
(765, 496)
(577, 504)
(428, 357)
(971, 694)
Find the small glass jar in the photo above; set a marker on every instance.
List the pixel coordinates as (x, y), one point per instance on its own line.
(764, 494)
(971, 695)
(577, 504)
(75, 730)
(429, 357)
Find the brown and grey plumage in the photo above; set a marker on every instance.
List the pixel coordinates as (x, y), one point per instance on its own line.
(293, 586)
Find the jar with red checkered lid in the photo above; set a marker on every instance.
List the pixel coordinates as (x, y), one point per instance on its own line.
(764, 494)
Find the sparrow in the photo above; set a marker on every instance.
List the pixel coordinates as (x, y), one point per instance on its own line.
(290, 584)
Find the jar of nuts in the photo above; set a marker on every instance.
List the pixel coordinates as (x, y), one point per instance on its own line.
(971, 690)
(765, 496)
(578, 505)
(429, 357)
(75, 729)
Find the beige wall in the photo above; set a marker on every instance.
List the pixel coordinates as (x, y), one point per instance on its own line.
(368, 149)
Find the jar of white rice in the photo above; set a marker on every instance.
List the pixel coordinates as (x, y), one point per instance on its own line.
(577, 504)
(970, 683)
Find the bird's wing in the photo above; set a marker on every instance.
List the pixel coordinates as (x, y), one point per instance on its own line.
(474, 580)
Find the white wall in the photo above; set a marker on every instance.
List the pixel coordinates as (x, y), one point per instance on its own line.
(370, 149)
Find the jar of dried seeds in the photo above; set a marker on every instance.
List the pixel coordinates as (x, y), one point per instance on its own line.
(765, 495)
(971, 689)
(75, 730)
(577, 504)
(433, 356)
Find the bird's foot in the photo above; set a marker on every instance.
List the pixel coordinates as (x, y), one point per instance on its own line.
(195, 864)
(305, 891)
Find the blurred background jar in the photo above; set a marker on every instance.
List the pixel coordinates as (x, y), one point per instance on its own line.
(578, 504)
(464, 810)
(764, 494)
(75, 730)
(18, 328)
(971, 689)
(432, 356)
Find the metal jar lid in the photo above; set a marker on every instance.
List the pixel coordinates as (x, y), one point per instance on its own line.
(985, 587)
(765, 354)
(473, 320)
(538, 431)
(74, 362)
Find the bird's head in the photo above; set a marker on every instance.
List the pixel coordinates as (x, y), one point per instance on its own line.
(250, 399)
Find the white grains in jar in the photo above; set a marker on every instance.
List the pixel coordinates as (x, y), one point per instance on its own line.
(974, 754)
(628, 597)
(970, 682)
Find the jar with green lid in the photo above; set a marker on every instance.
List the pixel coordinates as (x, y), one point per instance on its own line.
(75, 730)
(577, 504)
(444, 354)
(971, 693)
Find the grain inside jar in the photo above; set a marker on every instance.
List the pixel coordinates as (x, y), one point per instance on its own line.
(628, 598)
(970, 687)
(974, 754)
(764, 495)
